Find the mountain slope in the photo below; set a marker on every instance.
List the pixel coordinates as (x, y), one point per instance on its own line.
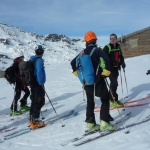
(58, 48)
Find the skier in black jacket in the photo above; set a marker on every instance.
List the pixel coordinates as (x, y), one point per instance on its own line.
(19, 86)
(100, 86)
(114, 52)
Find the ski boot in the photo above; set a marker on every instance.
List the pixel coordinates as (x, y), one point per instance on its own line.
(92, 127)
(116, 104)
(36, 123)
(15, 112)
(107, 126)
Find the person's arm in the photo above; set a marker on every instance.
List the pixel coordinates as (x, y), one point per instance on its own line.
(105, 57)
(73, 64)
(106, 72)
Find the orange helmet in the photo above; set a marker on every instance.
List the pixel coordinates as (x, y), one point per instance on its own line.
(89, 36)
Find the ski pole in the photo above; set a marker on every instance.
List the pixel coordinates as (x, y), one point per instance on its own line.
(126, 82)
(122, 87)
(52, 106)
(117, 107)
(13, 103)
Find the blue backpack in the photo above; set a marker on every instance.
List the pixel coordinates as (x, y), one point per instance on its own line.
(85, 68)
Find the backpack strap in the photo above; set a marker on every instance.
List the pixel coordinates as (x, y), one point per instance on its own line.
(109, 47)
(94, 48)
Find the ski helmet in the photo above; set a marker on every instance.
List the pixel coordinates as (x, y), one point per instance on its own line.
(18, 54)
(39, 50)
(89, 36)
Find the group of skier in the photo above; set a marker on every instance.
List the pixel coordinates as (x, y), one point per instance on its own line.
(105, 63)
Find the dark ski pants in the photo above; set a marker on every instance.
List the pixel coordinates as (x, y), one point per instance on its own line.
(18, 88)
(114, 84)
(37, 100)
(102, 92)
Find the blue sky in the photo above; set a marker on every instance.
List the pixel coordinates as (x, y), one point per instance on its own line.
(74, 17)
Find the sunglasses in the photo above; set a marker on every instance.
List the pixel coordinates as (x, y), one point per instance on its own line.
(112, 38)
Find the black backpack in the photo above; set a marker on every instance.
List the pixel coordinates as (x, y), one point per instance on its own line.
(10, 75)
(26, 69)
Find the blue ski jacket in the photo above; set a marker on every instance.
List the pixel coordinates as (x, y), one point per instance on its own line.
(39, 71)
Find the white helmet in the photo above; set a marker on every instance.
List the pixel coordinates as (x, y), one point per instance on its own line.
(18, 54)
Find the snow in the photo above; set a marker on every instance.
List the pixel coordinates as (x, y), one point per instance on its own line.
(58, 48)
(65, 89)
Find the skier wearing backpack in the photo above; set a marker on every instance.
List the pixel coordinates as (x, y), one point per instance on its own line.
(19, 86)
(114, 52)
(37, 90)
(98, 87)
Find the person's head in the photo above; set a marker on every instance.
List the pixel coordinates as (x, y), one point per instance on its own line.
(39, 50)
(90, 37)
(113, 38)
(19, 56)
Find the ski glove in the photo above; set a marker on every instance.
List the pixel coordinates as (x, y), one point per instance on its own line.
(123, 65)
(148, 72)
(75, 73)
(106, 73)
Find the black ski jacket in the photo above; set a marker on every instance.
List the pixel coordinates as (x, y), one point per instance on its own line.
(111, 54)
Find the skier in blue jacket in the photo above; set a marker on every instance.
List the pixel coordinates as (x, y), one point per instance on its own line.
(37, 90)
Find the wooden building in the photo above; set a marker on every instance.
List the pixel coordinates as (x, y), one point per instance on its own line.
(136, 43)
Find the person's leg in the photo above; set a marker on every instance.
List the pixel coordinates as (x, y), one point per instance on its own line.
(39, 101)
(113, 85)
(32, 97)
(26, 95)
(90, 116)
(23, 101)
(17, 95)
(104, 95)
(104, 112)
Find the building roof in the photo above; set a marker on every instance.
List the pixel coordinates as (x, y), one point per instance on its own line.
(135, 33)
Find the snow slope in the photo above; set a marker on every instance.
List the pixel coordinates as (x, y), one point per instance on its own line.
(65, 89)
(58, 48)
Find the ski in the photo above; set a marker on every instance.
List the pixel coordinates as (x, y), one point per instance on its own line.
(15, 134)
(2, 127)
(7, 129)
(127, 106)
(18, 116)
(21, 131)
(103, 134)
(125, 117)
(65, 116)
(131, 105)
